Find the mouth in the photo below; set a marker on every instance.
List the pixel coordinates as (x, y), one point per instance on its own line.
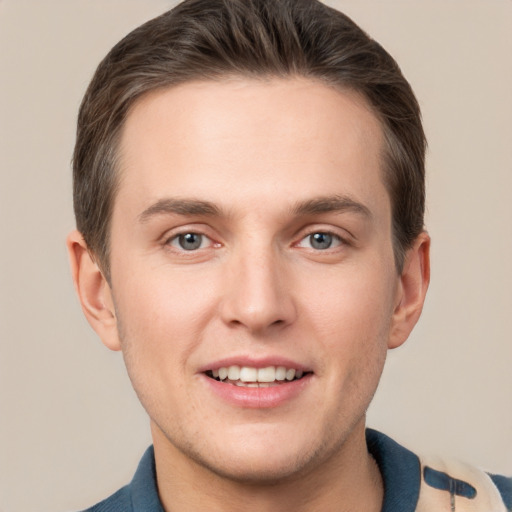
(251, 377)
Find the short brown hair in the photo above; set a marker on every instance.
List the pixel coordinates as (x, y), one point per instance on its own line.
(212, 39)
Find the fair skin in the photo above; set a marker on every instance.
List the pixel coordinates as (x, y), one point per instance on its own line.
(252, 228)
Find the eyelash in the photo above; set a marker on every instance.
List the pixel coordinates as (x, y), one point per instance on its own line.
(176, 238)
(334, 239)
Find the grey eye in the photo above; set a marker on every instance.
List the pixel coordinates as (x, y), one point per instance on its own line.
(320, 240)
(190, 241)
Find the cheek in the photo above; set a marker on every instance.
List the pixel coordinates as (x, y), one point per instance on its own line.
(161, 321)
(170, 303)
(350, 301)
(351, 316)
(156, 327)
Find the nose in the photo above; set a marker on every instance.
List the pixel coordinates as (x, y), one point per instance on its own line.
(258, 294)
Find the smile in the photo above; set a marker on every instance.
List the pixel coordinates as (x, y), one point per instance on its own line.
(247, 376)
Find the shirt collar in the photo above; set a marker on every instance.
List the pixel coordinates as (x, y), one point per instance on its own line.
(400, 470)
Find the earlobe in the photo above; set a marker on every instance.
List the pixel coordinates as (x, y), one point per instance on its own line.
(93, 291)
(411, 290)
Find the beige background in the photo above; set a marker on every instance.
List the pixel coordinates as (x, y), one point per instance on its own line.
(71, 429)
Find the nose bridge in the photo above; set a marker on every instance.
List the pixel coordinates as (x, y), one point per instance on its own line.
(257, 295)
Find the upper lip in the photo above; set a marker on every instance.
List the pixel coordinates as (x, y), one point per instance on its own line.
(254, 362)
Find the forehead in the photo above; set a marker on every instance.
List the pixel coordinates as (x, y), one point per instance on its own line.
(242, 137)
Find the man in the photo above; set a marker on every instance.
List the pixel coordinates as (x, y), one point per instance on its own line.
(249, 195)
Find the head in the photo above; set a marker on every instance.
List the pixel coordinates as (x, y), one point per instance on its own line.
(217, 39)
(249, 189)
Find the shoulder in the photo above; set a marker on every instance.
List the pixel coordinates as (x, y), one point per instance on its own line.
(504, 485)
(463, 486)
(422, 484)
(118, 502)
(140, 495)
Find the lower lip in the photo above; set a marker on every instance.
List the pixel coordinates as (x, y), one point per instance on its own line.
(258, 398)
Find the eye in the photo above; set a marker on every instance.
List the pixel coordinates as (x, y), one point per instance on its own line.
(320, 241)
(189, 241)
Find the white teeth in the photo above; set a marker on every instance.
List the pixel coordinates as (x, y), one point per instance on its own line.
(290, 374)
(267, 374)
(234, 372)
(280, 373)
(247, 375)
(241, 384)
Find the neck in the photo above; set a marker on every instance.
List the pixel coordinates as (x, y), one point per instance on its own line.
(349, 480)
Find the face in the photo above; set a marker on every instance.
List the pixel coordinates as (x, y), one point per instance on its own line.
(253, 277)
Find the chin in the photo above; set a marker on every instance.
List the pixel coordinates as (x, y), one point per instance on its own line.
(263, 459)
(261, 469)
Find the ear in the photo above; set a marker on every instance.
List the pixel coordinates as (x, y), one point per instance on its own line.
(93, 291)
(412, 288)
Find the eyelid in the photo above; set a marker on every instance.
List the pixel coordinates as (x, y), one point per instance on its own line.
(174, 233)
(340, 241)
(341, 234)
(173, 241)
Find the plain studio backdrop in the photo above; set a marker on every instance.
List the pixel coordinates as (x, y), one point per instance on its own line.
(71, 428)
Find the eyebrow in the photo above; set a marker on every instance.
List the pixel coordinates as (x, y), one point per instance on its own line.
(334, 204)
(179, 207)
(315, 206)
